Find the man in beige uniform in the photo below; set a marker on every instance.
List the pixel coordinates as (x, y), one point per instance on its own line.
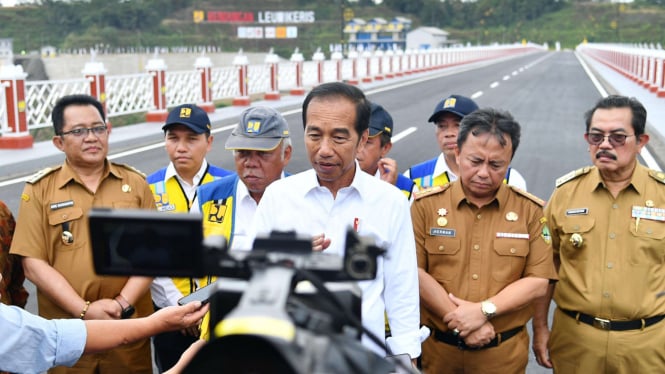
(608, 231)
(52, 234)
(483, 255)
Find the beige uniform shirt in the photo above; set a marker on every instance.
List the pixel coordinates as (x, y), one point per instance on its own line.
(618, 271)
(475, 253)
(59, 197)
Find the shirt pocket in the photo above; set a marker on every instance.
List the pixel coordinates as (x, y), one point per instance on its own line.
(582, 226)
(67, 219)
(648, 245)
(443, 257)
(510, 258)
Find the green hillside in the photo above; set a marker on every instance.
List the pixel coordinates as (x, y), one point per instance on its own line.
(147, 23)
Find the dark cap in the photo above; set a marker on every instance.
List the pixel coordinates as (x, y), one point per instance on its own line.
(456, 104)
(380, 121)
(260, 128)
(195, 118)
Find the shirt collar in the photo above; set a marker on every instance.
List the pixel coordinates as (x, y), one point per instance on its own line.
(68, 174)
(171, 172)
(638, 180)
(359, 182)
(458, 196)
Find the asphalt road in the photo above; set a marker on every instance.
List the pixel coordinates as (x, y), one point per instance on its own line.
(547, 93)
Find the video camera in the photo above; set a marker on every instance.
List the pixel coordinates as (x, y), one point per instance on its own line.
(271, 311)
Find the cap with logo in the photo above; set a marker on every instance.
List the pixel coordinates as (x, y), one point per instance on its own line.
(260, 128)
(380, 121)
(195, 118)
(456, 104)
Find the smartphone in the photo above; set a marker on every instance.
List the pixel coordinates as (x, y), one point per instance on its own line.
(202, 295)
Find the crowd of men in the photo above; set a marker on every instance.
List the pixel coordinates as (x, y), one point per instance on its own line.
(469, 253)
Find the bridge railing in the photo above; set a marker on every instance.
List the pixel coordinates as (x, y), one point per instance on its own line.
(157, 89)
(645, 65)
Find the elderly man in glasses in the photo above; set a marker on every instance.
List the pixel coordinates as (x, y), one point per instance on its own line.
(607, 224)
(52, 233)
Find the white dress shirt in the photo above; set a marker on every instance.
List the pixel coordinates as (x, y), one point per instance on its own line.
(381, 212)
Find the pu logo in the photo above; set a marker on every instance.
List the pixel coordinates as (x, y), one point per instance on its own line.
(217, 212)
(185, 112)
(253, 127)
(450, 103)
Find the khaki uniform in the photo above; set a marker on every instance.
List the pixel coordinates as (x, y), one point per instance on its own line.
(56, 198)
(617, 272)
(475, 253)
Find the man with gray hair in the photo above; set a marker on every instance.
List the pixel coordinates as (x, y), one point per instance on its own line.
(261, 147)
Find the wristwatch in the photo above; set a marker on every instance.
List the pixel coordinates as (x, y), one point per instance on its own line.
(127, 308)
(488, 308)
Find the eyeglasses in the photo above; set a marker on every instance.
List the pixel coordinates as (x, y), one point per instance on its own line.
(597, 138)
(82, 132)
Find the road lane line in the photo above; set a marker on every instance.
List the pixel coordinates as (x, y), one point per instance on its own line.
(403, 134)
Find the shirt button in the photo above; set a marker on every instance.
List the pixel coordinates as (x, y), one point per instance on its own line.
(475, 277)
(513, 250)
(479, 216)
(612, 235)
(441, 248)
(476, 247)
(64, 216)
(610, 265)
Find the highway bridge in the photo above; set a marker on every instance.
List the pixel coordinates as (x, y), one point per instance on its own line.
(547, 93)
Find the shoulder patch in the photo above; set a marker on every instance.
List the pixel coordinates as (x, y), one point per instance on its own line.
(131, 168)
(572, 175)
(657, 175)
(41, 174)
(528, 195)
(430, 191)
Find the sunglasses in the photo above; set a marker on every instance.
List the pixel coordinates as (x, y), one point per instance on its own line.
(597, 138)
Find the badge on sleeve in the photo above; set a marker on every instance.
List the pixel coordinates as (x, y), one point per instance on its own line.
(545, 234)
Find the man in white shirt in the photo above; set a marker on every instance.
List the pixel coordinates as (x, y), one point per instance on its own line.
(443, 169)
(187, 140)
(325, 201)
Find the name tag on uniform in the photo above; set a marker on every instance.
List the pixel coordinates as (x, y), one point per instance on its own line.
(512, 235)
(62, 204)
(437, 231)
(655, 214)
(577, 212)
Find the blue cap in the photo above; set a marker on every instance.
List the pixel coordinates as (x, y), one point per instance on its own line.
(380, 121)
(195, 118)
(456, 104)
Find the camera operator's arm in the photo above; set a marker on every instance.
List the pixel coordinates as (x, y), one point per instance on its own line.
(400, 275)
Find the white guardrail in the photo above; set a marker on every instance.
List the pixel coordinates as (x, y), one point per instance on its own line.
(26, 105)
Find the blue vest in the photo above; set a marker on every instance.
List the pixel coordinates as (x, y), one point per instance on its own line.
(405, 184)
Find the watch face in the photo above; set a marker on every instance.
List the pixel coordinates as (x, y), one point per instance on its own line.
(127, 312)
(488, 308)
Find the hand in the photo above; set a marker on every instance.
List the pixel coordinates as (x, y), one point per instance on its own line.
(103, 309)
(180, 317)
(466, 318)
(191, 330)
(320, 242)
(186, 357)
(541, 336)
(388, 170)
(481, 336)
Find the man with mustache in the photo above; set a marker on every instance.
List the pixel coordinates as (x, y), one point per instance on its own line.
(443, 169)
(608, 226)
(187, 140)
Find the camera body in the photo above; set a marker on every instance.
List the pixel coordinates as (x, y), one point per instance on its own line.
(278, 308)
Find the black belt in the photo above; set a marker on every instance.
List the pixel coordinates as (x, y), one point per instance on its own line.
(606, 324)
(452, 339)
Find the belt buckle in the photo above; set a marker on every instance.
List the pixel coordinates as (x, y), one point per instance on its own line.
(602, 323)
